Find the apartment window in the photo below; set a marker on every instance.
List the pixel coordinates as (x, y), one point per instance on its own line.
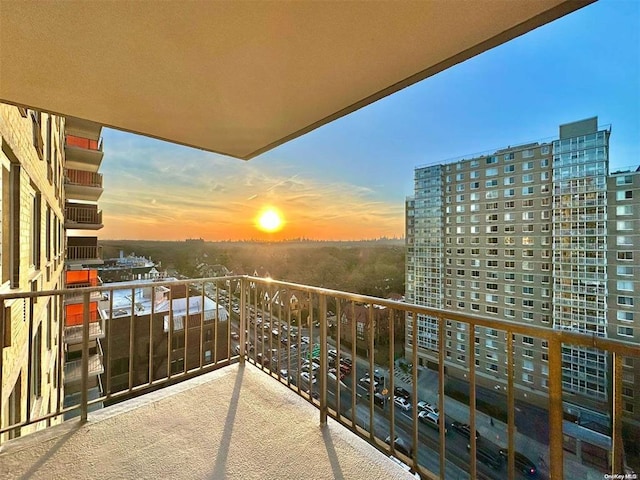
(528, 178)
(36, 364)
(509, 312)
(624, 240)
(492, 240)
(509, 168)
(474, 208)
(509, 192)
(492, 275)
(491, 183)
(492, 263)
(491, 195)
(509, 180)
(527, 190)
(491, 309)
(475, 240)
(510, 300)
(459, 177)
(475, 251)
(492, 252)
(491, 229)
(544, 150)
(624, 180)
(491, 298)
(624, 270)
(624, 225)
(622, 300)
(491, 172)
(527, 365)
(544, 176)
(474, 163)
(527, 340)
(625, 255)
(624, 210)
(545, 202)
(624, 194)
(625, 331)
(527, 290)
(528, 252)
(527, 352)
(625, 285)
(460, 272)
(527, 277)
(474, 197)
(527, 304)
(475, 307)
(38, 143)
(491, 160)
(509, 156)
(527, 153)
(527, 166)
(34, 246)
(528, 228)
(474, 174)
(491, 206)
(492, 286)
(527, 241)
(474, 185)
(460, 198)
(509, 241)
(624, 316)
(509, 228)
(460, 187)
(475, 229)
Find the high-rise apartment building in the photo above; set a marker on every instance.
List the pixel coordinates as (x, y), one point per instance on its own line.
(50, 186)
(538, 233)
(32, 259)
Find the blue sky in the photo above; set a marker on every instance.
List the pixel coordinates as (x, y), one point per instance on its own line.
(349, 179)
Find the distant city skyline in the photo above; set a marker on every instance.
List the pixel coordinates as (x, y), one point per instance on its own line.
(348, 180)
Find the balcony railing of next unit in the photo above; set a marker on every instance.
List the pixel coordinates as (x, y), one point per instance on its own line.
(82, 215)
(83, 252)
(81, 142)
(159, 333)
(83, 178)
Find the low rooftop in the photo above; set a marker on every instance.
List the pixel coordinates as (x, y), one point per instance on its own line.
(235, 422)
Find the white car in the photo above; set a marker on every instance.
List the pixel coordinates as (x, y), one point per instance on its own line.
(431, 419)
(308, 378)
(402, 402)
(427, 407)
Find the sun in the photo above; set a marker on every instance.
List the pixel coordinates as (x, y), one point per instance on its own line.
(270, 220)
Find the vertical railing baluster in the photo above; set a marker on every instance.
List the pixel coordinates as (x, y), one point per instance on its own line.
(392, 383)
(3, 333)
(131, 335)
(216, 321)
(372, 368)
(30, 371)
(84, 407)
(511, 415)
(201, 336)
(556, 467)
(323, 359)
(169, 333)
(151, 317)
(242, 321)
(414, 395)
(109, 335)
(617, 461)
(338, 362)
(59, 307)
(472, 395)
(354, 367)
(441, 379)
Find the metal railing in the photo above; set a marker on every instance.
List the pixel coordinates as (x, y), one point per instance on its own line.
(83, 214)
(84, 252)
(336, 349)
(83, 178)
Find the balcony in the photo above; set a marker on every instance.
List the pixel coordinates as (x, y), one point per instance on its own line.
(83, 251)
(246, 392)
(82, 217)
(83, 153)
(82, 185)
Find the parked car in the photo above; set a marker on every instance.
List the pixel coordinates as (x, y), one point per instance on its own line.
(431, 419)
(366, 381)
(336, 374)
(464, 429)
(426, 406)
(400, 445)
(235, 335)
(403, 403)
(522, 463)
(402, 392)
(345, 369)
(308, 378)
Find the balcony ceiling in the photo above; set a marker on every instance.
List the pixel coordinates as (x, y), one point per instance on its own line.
(240, 78)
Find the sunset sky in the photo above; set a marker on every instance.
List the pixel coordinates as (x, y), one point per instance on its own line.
(348, 180)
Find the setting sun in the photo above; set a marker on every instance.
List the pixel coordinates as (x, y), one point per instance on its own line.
(270, 220)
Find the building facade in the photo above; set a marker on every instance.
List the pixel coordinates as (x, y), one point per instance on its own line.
(538, 233)
(32, 259)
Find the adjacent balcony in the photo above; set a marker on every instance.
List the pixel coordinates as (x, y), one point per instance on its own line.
(82, 217)
(83, 153)
(82, 185)
(83, 251)
(241, 392)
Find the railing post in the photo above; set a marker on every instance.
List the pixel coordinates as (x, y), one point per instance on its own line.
(84, 389)
(323, 360)
(555, 408)
(242, 322)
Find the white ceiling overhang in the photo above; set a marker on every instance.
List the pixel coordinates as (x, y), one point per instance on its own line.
(240, 78)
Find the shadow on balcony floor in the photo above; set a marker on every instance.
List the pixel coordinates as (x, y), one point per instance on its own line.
(233, 423)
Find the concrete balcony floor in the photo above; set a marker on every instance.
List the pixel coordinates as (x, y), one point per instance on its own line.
(233, 423)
